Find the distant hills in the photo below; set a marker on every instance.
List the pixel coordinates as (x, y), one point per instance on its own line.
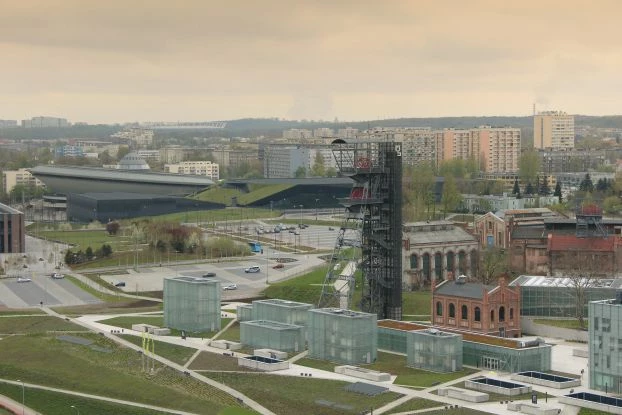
(273, 127)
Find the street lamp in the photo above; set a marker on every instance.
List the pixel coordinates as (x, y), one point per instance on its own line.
(23, 397)
(76, 408)
(301, 206)
(316, 200)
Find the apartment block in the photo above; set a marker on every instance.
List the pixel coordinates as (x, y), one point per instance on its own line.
(45, 122)
(553, 130)
(12, 178)
(140, 137)
(282, 162)
(196, 168)
(297, 134)
(323, 132)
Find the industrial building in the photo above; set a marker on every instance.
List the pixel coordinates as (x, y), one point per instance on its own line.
(12, 233)
(342, 336)
(192, 304)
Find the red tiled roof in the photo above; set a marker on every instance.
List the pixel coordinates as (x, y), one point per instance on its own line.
(573, 243)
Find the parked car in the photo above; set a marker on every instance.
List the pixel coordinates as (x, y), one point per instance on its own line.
(120, 284)
(230, 287)
(277, 266)
(330, 228)
(209, 275)
(23, 279)
(57, 276)
(252, 269)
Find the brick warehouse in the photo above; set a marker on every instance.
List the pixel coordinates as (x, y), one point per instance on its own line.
(475, 307)
(12, 236)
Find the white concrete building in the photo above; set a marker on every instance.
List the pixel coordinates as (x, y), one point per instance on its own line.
(12, 178)
(196, 168)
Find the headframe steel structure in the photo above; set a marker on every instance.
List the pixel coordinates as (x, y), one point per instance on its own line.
(372, 228)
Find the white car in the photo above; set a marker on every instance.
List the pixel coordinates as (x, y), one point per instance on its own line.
(230, 287)
(252, 269)
(23, 279)
(57, 276)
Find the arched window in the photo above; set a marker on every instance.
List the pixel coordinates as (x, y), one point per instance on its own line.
(427, 274)
(511, 314)
(452, 310)
(478, 316)
(465, 312)
(501, 313)
(492, 315)
(438, 266)
(439, 308)
(462, 263)
(450, 261)
(414, 261)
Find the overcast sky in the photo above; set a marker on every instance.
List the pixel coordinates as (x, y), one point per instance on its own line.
(187, 60)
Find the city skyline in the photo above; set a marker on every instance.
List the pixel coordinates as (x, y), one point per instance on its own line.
(159, 61)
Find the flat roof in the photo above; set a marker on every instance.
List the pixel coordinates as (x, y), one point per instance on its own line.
(564, 282)
(194, 280)
(342, 312)
(283, 303)
(272, 324)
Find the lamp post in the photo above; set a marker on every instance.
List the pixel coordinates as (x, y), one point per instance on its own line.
(301, 206)
(316, 200)
(76, 408)
(23, 397)
(267, 267)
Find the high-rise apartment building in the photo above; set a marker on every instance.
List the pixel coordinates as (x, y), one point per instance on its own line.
(44, 122)
(283, 162)
(553, 130)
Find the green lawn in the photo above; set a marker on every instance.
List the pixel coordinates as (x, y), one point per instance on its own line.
(213, 362)
(566, 324)
(416, 304)
(587, 411)
(231, 334)
(35, 324)
(172, 352)
(305, 289)
(44, 360)
(288, 395)
(416, 404)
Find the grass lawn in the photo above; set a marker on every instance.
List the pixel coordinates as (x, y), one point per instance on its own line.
(124, 305)
(587, 411)
(566, 324)
(417, 304)
(172, 352)
(459, 411)
(127, 322)
(82, 239)
(231, 334)
(13, 312)
(35, 324)
(44, 360)
(288, 395)
(214, 362)
(55, 403)
(415, 404)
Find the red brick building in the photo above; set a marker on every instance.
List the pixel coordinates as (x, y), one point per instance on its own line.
(475, 307)
(595, 254)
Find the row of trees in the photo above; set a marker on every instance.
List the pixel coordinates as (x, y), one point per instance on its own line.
(79, 257)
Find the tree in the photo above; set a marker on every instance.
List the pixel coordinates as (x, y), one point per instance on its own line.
(300, 173)
(612, 205)
(558, 191)
(331, 172)
(544, 189)
(586, 184)
(580, 275)
(528, 166)
(112, 228)
(418, 191)
(493, 263)
(516, 189)
(89, 253)
(318, 169)
(451, 197)
(106, 250)
(529, 189)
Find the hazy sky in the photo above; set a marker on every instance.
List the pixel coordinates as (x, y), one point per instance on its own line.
(134, 60)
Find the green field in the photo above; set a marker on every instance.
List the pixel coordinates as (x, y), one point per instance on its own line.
(35, 324)
(287, 395)
(566, 324)
(112, 371)
(127, 322)
(415, 405)
(224, 195)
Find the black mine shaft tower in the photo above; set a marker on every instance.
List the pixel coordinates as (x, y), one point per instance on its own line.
(368, 250)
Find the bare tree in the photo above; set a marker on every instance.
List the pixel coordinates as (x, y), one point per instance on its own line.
(493, 263)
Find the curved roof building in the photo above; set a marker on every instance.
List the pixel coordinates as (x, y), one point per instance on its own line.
(69, 179)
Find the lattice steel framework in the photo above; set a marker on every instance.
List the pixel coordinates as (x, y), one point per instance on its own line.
(370, 238)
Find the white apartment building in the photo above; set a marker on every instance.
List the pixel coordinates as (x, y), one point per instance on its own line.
(553, 130)
(297, 134)
(327, 155)
(323, 132)
(283, 161)
(12, 178)
(44, 122)
(139, 136)
(347, 132)
(196, 168)
(149, 154)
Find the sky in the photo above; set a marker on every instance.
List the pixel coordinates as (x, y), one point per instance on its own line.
(205, 60)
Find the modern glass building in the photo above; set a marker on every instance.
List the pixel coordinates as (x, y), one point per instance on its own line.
(556, 296)
(262, 334)
(192, 304)
(245, 312)
(605, 331)
(342, 336)
(478, 350)
(274, 309)
(434, 350)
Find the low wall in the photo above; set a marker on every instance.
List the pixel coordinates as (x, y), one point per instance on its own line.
(226, 345)
(581, 353)
(531, 409)
(591, 405)
(266, 367)
(274, 354)
(469, 384)
(534, 329)
(359, 372)
(463, 394)
(548, 383)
